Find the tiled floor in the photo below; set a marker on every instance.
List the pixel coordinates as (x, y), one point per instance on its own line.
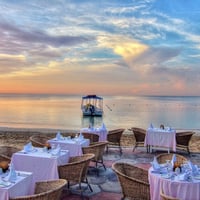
(106, 186)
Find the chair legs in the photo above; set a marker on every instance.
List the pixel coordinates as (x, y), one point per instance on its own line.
(120, 148)
(136, 145)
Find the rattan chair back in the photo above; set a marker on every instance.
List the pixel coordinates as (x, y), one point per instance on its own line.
(91, 136)
(8, 151)
(45, 190)
(76, 170)
(114, 138)
(183, 140)
(133, 181)
(98, 149)
(39, 140)
(161, 158)
(4, 158)
(139, 135)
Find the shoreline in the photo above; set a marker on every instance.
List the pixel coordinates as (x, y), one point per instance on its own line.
(18, 137)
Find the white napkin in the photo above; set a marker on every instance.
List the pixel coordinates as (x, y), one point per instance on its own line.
(182, 177)
(155, 164)
(12, 174)
(151, 125)
(169, 128)
(193, 167)
(58, 135)
(56, 151)
(81, 136)
(173, 160)
(103, 127)
(28, 147)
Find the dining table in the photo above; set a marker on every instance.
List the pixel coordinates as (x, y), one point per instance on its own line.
(101, 132)
(21, 186)
(174, 185)
(161, 139)
(41, 162)
(73, 145)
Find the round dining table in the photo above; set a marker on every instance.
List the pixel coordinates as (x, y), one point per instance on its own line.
(182, 189)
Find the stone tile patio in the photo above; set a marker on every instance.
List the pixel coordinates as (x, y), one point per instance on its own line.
(106, 186)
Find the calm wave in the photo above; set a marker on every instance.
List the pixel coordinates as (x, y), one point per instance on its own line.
(63, 112)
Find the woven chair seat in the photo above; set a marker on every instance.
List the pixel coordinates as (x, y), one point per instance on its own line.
(7, 151)
(161, 158)
(39, 140)
(133, 181)
(45, 190)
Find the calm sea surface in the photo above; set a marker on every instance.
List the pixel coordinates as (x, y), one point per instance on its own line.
(63, 112)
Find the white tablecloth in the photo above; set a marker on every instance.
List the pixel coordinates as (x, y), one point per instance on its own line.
(42, 164)
(73, 145)
(21, 187)
(161, 138)
(181, 189)
(99, 131)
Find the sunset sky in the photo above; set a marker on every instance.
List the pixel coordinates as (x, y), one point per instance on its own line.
(105, 47)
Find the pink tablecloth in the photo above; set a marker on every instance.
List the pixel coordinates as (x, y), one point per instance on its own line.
(42, 164)
(99, 131)
(180, 189)
(21, 187)
(73, 145)
(161, 138)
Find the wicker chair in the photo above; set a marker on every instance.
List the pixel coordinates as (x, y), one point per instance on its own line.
(4, 162)
(97, 149)
(91, 136)
(7, 151)
(183, 140)
(161, 158)
(133, 181)
(75, 171)
(45, 190)
(166, 197)
(114, 138)
(4, 158)
(139, 135)
(39, 140)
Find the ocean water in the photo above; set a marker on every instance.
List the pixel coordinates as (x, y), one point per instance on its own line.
(63, 112)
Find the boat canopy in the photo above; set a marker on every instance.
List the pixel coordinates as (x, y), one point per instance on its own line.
(92, 97)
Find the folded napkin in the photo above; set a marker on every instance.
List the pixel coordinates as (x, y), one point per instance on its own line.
(103, 127)
(81, 136)
(169, 128)
(58, 136)
(12, 174)
(151, 125)
(155, 164)
(56, 151)
(193, 167)
(182, 177)
(28, 147)
(173, 160)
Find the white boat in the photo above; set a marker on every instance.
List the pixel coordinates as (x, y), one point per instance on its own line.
(92, 105)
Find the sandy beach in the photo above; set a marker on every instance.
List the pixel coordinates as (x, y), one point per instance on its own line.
(20, 136)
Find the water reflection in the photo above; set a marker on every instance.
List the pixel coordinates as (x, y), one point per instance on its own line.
(94, 121)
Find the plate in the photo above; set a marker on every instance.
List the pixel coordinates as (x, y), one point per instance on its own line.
(167, 176)
(5, 184)
(197, 177)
